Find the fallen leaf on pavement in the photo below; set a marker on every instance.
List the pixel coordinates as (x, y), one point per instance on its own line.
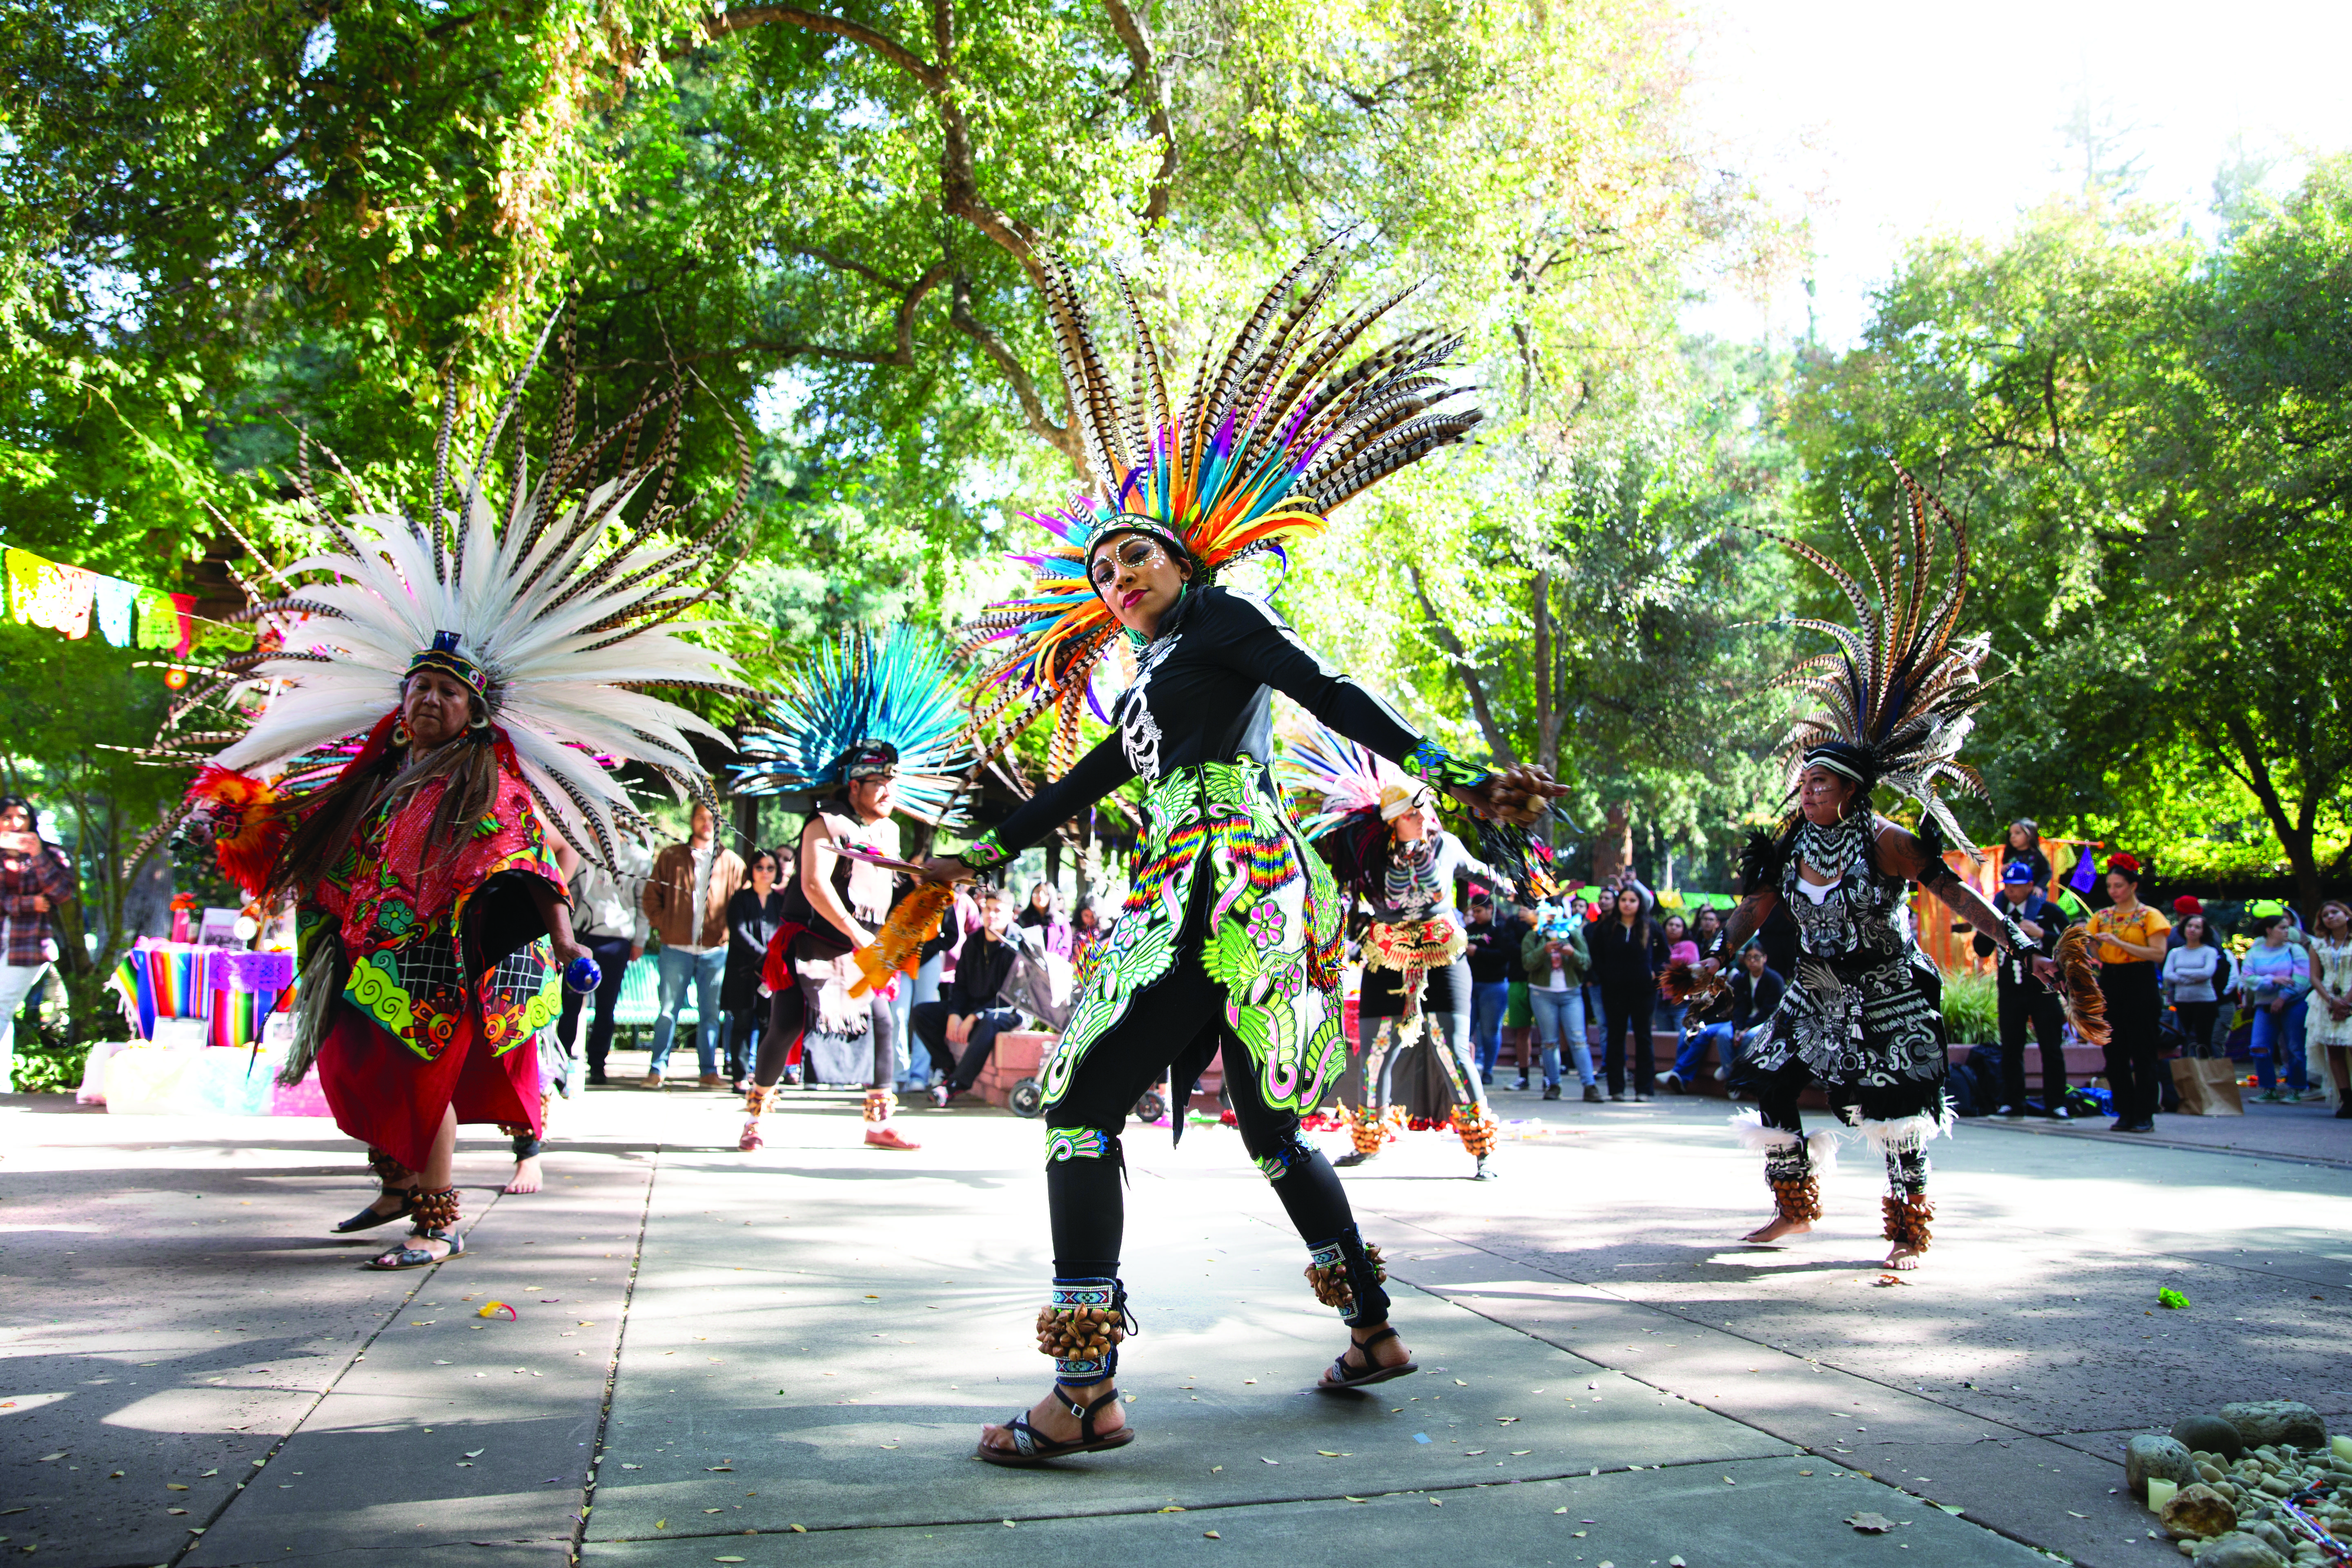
(1870, 1523)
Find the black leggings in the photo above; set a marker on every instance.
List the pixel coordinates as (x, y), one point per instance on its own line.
(2197, 1024)
(1623, 1013)
(788, 1012)
(1183, 1008)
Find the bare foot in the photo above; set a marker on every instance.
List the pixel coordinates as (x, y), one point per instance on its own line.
(1388, 1352)
(526, 1177)
(1902, 1257)
(1052, 1418)
(1773, 1229)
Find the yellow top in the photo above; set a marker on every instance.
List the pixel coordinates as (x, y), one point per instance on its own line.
(2143, 926)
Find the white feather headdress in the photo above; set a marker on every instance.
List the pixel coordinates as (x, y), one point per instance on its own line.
(559, 603)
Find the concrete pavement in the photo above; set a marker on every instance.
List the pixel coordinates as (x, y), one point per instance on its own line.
(787, 1356)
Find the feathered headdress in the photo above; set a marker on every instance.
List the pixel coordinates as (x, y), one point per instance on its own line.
(1269, 438)
(1336, 780)
(1346, 796)
(1899, 691)
(541, 597)
(862, 706)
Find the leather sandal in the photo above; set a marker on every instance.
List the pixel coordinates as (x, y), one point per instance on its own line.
(418, 1257)
(368, 1219)
(1032, 1448)
(1342, 1375)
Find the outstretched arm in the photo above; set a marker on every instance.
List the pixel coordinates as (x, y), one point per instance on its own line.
(1098, 774)
(1901, 853)
(1270, 653)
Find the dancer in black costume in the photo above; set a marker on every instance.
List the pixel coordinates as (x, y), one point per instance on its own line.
(1861, 1018)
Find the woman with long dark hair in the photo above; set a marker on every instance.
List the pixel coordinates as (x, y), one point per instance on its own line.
(2275, 978)
(1229, 939)
(2128, 941)
(2025, 847)
(2189, 973)
(1629, 954)
(1043, 914)
(754, 915)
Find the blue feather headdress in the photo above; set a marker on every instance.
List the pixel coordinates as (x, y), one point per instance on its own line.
(862, 705)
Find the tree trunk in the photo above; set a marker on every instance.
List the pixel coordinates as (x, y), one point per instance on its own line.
(2295, 834)
(1547, 705)
(1497, 741)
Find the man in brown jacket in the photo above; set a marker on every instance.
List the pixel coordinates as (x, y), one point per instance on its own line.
(691, 950)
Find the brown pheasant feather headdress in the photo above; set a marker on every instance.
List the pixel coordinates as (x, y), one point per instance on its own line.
(1899, 694)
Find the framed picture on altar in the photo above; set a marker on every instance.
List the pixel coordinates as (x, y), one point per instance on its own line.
(219, 929)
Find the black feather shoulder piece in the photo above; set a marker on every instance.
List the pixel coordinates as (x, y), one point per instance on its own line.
(1762, 859)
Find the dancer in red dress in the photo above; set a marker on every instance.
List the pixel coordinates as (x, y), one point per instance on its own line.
(486, 670)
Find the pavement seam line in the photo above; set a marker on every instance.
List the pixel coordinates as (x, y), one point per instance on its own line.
(613, 1368)
(320, 1398)
(1696, 1324)
(1804, 1451)
(1146, 1512)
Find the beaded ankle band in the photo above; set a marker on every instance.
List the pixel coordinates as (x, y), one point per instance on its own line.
(1907, 1221)
(437, 1212)
(1081, 1328)
(387, 1169)
(880, 1103)
(1365, 1131)
(1478, 1129)
(755, 1100)
(1346, 1276)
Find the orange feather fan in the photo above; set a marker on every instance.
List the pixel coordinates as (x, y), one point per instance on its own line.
(2078, 987)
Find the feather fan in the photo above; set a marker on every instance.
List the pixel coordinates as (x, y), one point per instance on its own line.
(560, 592)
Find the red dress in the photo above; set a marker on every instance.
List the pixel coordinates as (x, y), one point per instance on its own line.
(438, 1008)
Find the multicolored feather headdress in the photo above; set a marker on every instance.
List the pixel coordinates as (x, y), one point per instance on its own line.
(1899, 692)
(864, 705)
(542, 596)
(1345, 797)
(1335, 780)
(1269, 438)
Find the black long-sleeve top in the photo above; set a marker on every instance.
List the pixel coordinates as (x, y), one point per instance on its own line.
(1492, 947)
(1203, 693)
(1753, 997)
(1626, 960)
(750, 923)
(980, 975)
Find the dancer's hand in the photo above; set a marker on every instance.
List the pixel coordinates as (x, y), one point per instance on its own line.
(947, 868)
(1516, 795)
(2045, 969)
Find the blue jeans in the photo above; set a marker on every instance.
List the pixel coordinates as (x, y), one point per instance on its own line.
(1694, 1049)
(2278, 1038)
(705, 969)
(1560, 1018)
(1487, 1000)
